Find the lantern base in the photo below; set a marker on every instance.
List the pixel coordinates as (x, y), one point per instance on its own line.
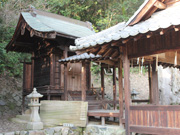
(34, 125)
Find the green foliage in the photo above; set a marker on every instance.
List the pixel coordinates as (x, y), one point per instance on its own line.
(95, 68)
(10, 62)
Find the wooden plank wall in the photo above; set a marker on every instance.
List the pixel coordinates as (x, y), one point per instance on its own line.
(27, 77)
(74, 76)
(41, 71)
(151, 117)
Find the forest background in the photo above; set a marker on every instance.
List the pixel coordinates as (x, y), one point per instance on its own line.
(101, 13)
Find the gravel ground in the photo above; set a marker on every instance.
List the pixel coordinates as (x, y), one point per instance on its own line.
(6, 125)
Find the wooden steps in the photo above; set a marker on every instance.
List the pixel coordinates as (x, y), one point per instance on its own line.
(90, 96)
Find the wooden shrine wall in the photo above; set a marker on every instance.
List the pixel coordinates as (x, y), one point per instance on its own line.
(27, 77)
(41, 71)
(55, 71)
(74, 76)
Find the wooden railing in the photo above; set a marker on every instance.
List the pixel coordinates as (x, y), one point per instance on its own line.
(151, 119)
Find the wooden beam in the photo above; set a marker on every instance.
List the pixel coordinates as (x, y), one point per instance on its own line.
(138, 37)
(149, 35)
(154, 85)
(120, 76)
(176, 28)
(170, 2)
(102, 81)
(155, 130)
(160, 5)
(83, 81)
(114, 87)
(125, 40)
(126, 65)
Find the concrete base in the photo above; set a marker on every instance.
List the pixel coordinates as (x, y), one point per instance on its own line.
(34, 125)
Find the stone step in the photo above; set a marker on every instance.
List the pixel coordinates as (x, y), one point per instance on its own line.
(21, 118)
(17, 120)
(24, 117)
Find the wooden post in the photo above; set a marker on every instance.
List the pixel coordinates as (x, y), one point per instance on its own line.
(126, 90)
(52, 75)
(32, 71)
(88, 72)
(114, 87)
(23, 97)
(102, 82)
(149, 76)
(120, 76)
(154, 85)
(65, 83)
(83, 81)
(65, 53)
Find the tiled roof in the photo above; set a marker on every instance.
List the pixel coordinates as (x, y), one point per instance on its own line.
(162, 19)
(84, 56)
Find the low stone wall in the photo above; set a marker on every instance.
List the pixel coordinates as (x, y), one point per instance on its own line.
(89, 130)
(10, 96)
(49, 131)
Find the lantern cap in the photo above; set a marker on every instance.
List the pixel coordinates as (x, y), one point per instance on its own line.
(34, 94)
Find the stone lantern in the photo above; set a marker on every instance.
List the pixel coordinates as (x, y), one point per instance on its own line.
(35, 121)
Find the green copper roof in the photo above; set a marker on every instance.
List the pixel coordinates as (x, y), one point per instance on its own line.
(44, 23)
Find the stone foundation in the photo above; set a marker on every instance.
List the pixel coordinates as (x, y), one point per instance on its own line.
(89, 130)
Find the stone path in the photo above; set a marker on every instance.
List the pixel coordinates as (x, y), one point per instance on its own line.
(6, 125)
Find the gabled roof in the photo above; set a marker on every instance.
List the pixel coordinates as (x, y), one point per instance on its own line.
(159, 20)
(48, 22)
(47, 26)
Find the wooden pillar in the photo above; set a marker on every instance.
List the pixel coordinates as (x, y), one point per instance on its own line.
(65, 54)
(83, 81)
(120, 76)
(23, 97)
(65, 82)
(154, 85)
(52, 75)
(102, 81)
(114, 87)
(32, 71)
(126, 89)
(149, 77)
(88, 72)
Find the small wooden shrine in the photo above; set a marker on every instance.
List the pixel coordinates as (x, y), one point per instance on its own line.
(47, 37)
